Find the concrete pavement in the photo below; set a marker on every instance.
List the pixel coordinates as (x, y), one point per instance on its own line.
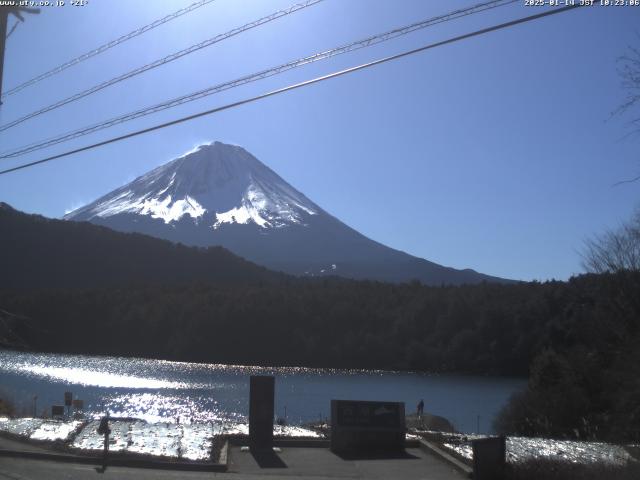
(25, 446)
(27, 469)
(317, 463)
(293, 463)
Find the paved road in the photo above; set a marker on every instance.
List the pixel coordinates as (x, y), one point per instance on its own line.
(291, 463)
(24, 446)
(316, 463)
(23, 469)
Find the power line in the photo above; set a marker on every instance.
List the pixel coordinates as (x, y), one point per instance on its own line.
(107, 46)
(162, 61)
(298, 85)
(13, 29)
(372, 40)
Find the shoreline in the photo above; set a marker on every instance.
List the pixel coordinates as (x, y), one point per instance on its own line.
(267, 367)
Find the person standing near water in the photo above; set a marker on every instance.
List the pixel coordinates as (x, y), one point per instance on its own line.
(104, 429)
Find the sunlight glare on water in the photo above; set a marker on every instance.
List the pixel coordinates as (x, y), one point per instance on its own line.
(189, 393)
(82, 376)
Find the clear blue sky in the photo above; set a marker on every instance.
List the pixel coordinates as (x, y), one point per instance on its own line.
(495, 153)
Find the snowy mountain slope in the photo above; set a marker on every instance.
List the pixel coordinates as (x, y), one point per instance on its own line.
(217, 178)
(220, 194)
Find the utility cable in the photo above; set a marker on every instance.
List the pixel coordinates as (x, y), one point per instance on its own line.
(363, 66)
(106, 46)
(161, 61)
(15, 25)
(366, 42)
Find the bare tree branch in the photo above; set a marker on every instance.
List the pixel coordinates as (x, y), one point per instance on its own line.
(630, 180)
(615, 250)
(629, 72)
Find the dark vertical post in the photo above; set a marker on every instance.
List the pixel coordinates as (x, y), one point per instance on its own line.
(489, 457)
(4, 15)
(68, 400)
(261, 403)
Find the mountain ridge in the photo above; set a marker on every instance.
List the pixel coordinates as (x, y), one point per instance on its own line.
(220, 194)
(185, 189)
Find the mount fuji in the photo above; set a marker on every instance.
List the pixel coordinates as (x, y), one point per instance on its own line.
(220, 194)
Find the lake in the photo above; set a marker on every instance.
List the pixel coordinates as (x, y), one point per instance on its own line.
(164, 391)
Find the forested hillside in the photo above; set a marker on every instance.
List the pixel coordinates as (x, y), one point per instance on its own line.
(488, 329)
(38, 252)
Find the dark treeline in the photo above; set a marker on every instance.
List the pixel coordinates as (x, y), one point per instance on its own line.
(487, 329)
(580, 337)
(38, 252)
(585, 382)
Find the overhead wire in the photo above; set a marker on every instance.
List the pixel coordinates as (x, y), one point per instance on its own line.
(352, 46)
(13, 29)
(106, 46)
(363, 66)
(162, 61)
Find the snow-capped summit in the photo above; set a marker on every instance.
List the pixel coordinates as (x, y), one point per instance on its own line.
(219, 194)
(218, 178)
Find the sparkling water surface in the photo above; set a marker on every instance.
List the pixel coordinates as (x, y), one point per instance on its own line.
(158, 391)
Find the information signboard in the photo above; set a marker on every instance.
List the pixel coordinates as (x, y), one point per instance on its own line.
(361, 426)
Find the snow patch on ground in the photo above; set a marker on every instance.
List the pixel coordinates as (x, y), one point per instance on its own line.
(278, 430)
(22, 427)
(193, 441)
(55, 430)
(524, 448)
(197, 440)
(89, 439)
(188, 441)
(39, 429)
(160, 439)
